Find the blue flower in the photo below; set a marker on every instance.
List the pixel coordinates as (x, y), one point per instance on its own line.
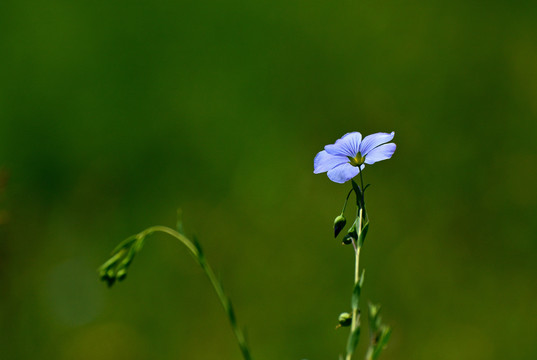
(348, 156)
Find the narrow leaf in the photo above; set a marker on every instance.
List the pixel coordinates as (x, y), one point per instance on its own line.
(356, 292)
(356, 296)
(363, 234)
(201, 255)
(353, 341)
(383, 341)
(362, 278)
(358, 193)
(231, 313)
(180, 228)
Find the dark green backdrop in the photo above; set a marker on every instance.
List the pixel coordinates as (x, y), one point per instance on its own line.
(115, 113)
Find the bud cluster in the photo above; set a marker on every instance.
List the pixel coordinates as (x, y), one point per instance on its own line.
(116, 267)
(355, 234)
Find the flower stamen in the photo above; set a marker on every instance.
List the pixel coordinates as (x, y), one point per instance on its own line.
(357, 160)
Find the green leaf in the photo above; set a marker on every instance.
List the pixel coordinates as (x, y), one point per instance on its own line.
(383, 341)
(369, 354)
(359, 194)
(354, 338)
(362, 278)
(356, 292)
(356, 296)
(374, 318)
(363, 234)
(231, 313)
(180, 228)
(201, 255)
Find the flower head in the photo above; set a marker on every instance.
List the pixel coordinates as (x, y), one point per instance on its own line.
(348, 156)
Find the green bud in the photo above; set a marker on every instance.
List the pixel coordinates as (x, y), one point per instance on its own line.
(345, 319)
(121, 274)
(352, 234)
(373, 310)
(102, 273)
(339, 224)
(109, 277)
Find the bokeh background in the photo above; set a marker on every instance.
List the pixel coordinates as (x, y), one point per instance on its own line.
(115, 114)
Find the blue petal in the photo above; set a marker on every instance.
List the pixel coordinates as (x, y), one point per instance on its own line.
(372, 141)
(324, 162)
(343, 173)
(382, 152)
(348, 145)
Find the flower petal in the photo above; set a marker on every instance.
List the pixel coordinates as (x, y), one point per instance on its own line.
(382, 152)
(324, 161)
(348, 145)
(343, 173)
(372, 141)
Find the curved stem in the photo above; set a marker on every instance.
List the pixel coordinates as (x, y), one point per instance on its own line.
(346, 200)
(217, 286)
(183, 239)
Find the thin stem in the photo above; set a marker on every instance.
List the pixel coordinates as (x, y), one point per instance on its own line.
(356, 310)
(183, 239)
(217, 286)
(224, 300)
(361, 182)
(347, 199)
(363, 192)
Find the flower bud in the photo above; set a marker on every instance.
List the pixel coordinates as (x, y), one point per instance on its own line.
(373, 310)
(339, 224)
(351, 236)
(110, 280)
(345, 319)
(121, 274)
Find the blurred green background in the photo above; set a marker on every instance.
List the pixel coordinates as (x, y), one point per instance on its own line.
(114, 114)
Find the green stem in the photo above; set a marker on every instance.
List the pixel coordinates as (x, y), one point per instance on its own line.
(363, 192)
(224, 300)
(346, 200)
(356, 310)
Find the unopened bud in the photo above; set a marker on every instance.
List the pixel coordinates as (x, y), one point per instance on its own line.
(351, 236)
(121, 274)
(339, 224)
(109, 277)
(373, 310)
(345, 319)
(102, 273)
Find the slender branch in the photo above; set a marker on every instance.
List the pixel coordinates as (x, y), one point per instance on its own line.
(346, 200)
(183, 239)
(195, 249)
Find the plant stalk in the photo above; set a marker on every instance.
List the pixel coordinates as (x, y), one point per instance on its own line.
(356, 310)
(217, 286)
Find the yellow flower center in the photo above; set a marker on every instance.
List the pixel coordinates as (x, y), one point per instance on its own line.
(357, 160)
